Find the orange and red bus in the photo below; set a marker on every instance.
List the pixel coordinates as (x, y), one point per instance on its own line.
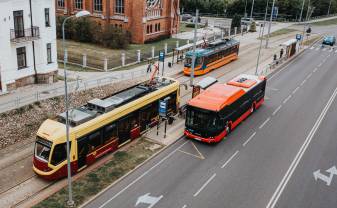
(215, 112)
(101, 126)
(215, 55)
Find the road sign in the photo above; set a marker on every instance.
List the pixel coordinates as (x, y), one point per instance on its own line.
(275, 12)
(298, 37)
(161, 56)
(163, 108)
(327, 179)
(147, 199)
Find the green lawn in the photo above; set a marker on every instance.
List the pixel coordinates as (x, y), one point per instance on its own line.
(92, 183)
(183, 28)
(326, 22)
(96, 53)
(280, 32)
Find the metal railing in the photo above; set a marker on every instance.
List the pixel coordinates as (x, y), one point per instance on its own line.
(73, 86)
(22, 35)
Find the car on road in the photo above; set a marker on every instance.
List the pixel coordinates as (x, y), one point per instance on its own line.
(329, 40)
(186, 17)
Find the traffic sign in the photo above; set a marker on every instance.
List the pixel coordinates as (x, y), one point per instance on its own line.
(161, 56)
(163, 108)
(298, 37)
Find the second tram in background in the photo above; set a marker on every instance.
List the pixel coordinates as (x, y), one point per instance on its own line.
(213, 56)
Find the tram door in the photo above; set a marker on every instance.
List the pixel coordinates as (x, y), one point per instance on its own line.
(82, 151)
(124, 128)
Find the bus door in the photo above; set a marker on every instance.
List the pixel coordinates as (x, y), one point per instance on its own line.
(82, 152)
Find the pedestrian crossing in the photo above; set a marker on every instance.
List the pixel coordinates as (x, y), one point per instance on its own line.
(329, 49)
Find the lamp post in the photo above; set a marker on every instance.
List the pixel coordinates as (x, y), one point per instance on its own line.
(84, 13)
(302, 10)
(251, 10)
(194, 47)
(270, 22)
(264, 25)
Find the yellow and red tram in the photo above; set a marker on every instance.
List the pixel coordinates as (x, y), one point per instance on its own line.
(215, 55)
(101, 126)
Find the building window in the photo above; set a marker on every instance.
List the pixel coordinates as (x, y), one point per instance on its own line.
(19, 28)
(47, 17)
(158, 26)
(60, 4)
(21, 56)
(98, 7)
(150, 28)
(155, 27)
(79, 4)
(120, 6)
(49, 58)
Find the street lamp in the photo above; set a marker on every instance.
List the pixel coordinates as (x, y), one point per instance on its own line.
(84, 13)
(251, 10)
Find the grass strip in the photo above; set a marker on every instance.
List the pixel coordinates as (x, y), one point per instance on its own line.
(87, 186)
(279, 32)
(326, 22)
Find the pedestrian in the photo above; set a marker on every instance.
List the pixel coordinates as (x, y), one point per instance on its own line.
(149, 68)
(281, 53)
(275, 57)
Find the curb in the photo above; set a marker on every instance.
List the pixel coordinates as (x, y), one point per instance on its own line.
(128, 173)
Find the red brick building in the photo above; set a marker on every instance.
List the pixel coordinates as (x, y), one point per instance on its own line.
(145, 19)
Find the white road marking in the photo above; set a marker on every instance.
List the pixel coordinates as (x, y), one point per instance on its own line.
(336, 51)
(273, 89)
(276, 110)
(324, 49)
(144, 174)
(250, 138)
(315, 69)
(312, 47)
(317, 49)
(286, 100)
(184, 206)
(226, 163)
(303, 82)
(264, 123)
(309, 75)
(295, 90)
(205, 184)
(300, 153)
(320, 64)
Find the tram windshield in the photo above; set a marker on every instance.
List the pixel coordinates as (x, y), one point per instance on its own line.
(42, 149)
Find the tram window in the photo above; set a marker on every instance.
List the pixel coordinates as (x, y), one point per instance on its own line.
(95, 139)
(110, 132)
(42, 151)
(59, 154)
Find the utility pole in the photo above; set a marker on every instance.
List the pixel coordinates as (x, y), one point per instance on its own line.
(251, 10)
(308, 10)
(271, 20)
(194, 46)
(329, 7)
(302, 11)
(264, 25)
(246, 9)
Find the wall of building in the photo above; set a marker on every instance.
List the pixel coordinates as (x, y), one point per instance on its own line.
(11, 76)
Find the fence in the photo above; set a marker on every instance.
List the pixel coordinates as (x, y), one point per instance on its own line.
(74, 86)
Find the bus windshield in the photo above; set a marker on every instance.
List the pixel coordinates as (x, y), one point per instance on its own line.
(202, 121)
(42, 149)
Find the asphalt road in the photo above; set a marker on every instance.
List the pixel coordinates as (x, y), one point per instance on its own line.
(268, 161)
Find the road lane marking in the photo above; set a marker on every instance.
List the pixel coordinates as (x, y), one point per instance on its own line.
(317, 49)
(144, 174)
(320, 64)
(184, 206)
(300, 153)
(295, 90)
(312, 47)
(303, 82)
(273, 89)
(264, 123)
(231, 158)
(205, 184)
(286, 100)
(276, 110)
(199, 155)
(251, 137)
(309, 75)
(324, 49)
(315, 69)
(336, 51)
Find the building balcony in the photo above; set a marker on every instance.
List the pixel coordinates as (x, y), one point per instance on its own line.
(24, 35)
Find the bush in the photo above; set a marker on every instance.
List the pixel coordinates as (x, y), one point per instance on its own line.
(252, 27)
(90, 31)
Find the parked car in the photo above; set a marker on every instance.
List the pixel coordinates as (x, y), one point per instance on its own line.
(186, 17)
(329, 40)
(249, 21)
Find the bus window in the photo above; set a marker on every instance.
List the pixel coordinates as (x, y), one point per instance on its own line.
(59, 154)
(205, 122)
(188, 62)
(42, 151)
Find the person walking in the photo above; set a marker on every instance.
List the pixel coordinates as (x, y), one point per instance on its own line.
(149, 68)
(281, 53)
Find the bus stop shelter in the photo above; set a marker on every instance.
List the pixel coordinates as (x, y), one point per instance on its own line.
(179, 53)
(291, 47)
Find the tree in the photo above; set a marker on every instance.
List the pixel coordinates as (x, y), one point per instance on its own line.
(252, 27)
(236, 21)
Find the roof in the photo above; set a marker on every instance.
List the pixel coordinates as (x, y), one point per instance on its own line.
(289, 42)
(216, 97)
(219, 95)
(190, 45)
(206, 82)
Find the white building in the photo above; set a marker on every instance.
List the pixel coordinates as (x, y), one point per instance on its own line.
(27, 43)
